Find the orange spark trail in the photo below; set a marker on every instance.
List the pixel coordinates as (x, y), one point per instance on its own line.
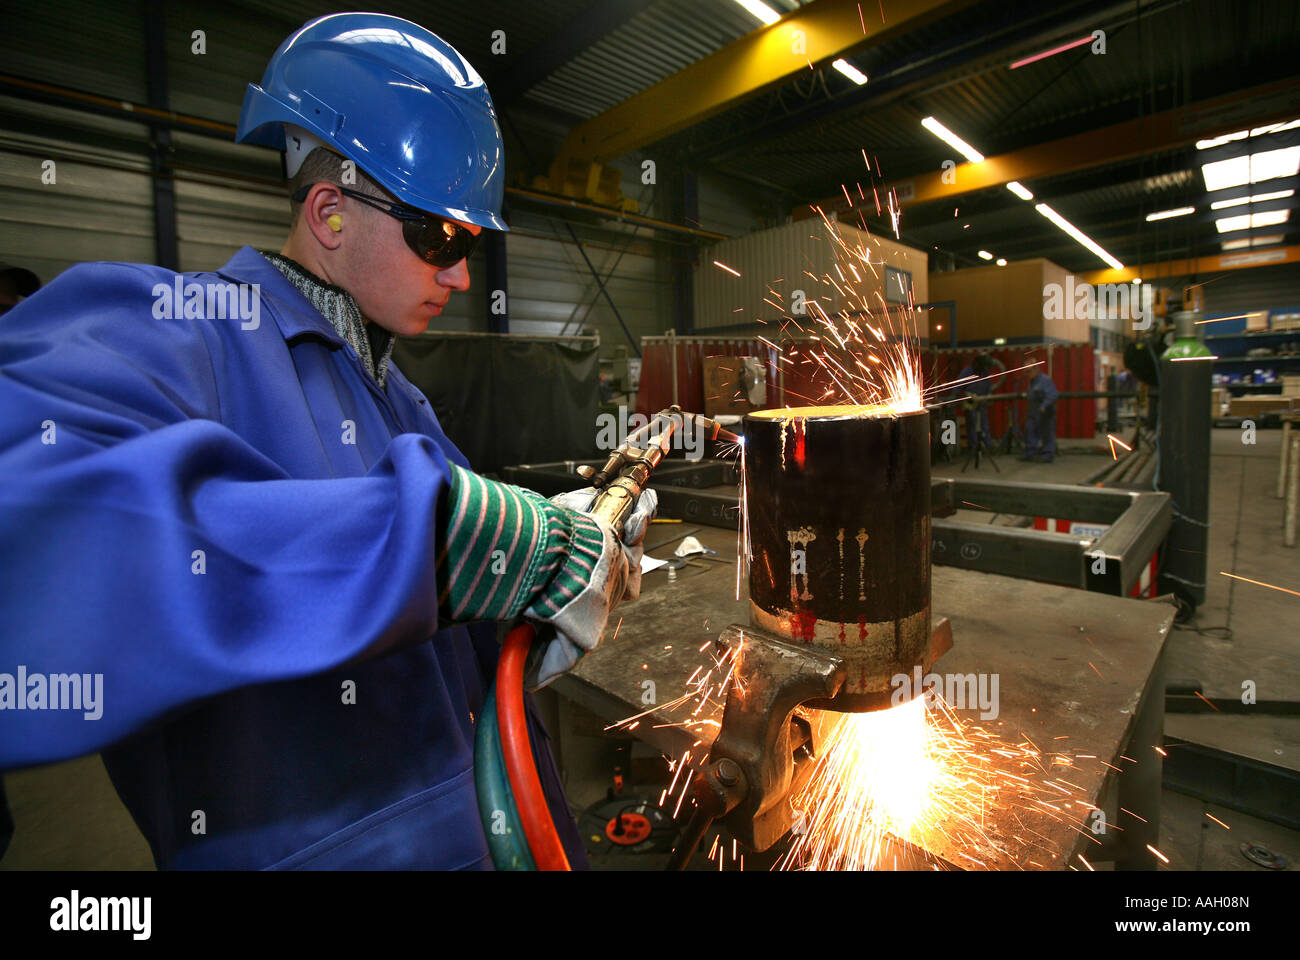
(1259, 583)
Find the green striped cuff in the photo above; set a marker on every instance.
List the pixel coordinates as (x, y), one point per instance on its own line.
(507, 549)
(581, 555)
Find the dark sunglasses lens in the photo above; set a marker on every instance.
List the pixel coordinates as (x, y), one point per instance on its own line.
(438, 242)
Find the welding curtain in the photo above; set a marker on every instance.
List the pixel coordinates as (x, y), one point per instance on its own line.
(504, 401)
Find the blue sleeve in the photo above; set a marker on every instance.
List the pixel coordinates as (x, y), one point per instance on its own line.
(1050, 393)
(147, 544)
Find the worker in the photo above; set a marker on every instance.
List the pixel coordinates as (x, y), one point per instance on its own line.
(1040, 427)
(16, 283)
(241, 528)
(976, 381)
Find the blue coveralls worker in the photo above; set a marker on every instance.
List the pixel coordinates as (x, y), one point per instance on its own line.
(1040, 429)
(226, 536)
(977, 417)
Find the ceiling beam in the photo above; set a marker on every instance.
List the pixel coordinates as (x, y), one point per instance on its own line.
(1236, 260)
(808, 37)
(1093, 148)
(1008, 26)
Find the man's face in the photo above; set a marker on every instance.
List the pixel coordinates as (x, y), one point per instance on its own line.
(393, 287)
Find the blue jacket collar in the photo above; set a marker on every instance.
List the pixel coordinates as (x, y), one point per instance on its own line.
(249, 266)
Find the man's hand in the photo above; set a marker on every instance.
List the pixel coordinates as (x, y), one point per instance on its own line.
(634, 530)
(601, 584)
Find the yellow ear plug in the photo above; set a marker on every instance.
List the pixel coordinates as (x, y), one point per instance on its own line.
(335, 222)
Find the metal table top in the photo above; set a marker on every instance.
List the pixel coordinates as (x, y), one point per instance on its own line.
(1072, 668)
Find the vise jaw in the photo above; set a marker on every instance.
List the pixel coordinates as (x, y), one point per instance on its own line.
(765, 734)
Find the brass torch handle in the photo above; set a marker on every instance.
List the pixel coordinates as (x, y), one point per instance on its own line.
(616, 501)
(626, 473)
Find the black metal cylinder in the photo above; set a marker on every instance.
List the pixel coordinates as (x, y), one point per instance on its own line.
(1184, 473)
(838, 507)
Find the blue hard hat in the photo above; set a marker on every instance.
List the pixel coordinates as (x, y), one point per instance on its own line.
(394, 98)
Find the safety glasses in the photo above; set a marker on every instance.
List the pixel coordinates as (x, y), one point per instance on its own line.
(436, 240)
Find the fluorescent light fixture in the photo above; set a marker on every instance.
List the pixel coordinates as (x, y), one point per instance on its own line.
(1245, 242)
(1255, 198)
(1274, 163)
(1167, 214)
(985, 255)
(1275, 128)
(954, 141)
(1222, 174)
(850, 71)
(1078, 235)
(1223, 140)
(1243, 134)
(760, 10)
(1252, 168)
(1018, 188)
(1001, 261)
(1251, 220)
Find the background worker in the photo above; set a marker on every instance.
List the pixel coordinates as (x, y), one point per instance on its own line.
(977, 389)
(252, 527)
(1040, 428)
(15, 284)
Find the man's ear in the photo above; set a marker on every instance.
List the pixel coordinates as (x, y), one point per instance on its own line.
(319, 208)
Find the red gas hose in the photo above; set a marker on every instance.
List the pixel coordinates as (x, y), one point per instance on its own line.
(534, 814)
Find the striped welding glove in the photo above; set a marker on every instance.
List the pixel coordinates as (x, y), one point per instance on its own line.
(508, 552)
(617, 578)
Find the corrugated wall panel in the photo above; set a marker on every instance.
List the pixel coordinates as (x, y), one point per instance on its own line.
(215, 220)
(1243, 290)
(84, 44)
(91, 211)
(781, 259)
(1257, 288)
(730, 207)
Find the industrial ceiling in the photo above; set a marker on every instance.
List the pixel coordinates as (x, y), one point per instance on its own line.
(801, 135)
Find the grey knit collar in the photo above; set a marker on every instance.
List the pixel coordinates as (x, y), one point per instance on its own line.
(340, 308)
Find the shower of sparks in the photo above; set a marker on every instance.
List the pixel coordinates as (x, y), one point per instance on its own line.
(1218, 821)
(915, 772)
(706, 688)
(1114, 440)
(1258, 583)
(951, 788)
(918, 773)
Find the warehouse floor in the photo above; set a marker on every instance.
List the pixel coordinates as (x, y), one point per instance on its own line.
(68, 816)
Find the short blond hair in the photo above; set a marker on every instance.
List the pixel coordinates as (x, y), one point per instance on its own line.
(324, 165)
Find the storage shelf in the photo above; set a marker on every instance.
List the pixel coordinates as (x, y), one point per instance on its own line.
(1255, 387)
(1252, 333)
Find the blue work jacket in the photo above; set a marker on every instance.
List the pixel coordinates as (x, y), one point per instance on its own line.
(1042, 392)
(209, 509)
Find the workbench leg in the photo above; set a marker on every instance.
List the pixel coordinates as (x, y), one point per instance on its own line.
(1140, 783)
(1282, 460)
(1292, 492)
